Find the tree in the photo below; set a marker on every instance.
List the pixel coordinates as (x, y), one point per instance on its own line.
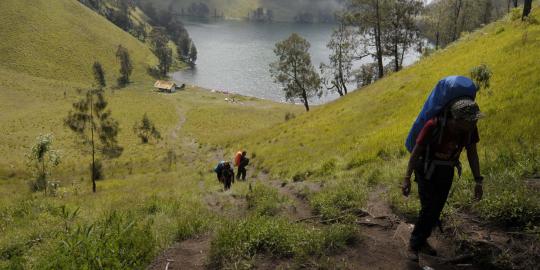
(527, 6)
(90, 120)
(369, 16)
(183, 47)
(343, 45)
(122, 55)
(41, 160)
(99, 75)
(146, 130)
(159, 41)
(402, 30)
(192, 54)
(294, 70)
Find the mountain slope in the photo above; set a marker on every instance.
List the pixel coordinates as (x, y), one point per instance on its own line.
(61, 39)
(378, 118)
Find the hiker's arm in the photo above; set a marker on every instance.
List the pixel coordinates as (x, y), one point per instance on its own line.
(474, 163)
(413, 161)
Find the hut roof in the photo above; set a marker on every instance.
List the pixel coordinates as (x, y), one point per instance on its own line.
(164, 84)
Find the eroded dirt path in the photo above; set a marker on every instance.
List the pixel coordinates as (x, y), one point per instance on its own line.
(189, 254)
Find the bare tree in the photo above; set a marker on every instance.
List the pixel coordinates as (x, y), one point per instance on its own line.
(369, 16)
(343, 45)
(294, 70)
(402, 30)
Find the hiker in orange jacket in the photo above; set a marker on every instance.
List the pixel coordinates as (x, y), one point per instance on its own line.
(241, 161)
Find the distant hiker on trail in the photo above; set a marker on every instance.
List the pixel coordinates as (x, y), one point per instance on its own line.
(241, 161)
(225, 174)
(436, 152)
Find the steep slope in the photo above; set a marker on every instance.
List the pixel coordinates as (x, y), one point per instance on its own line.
(61, 39)
(375, 120)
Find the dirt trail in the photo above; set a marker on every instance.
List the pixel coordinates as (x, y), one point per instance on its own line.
(384, 241)
(190, 255)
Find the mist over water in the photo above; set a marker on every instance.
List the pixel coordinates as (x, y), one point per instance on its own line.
(234, 56)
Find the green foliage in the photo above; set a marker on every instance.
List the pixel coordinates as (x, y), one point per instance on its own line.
(236, 243)
(146, 130)
(338, 200)
(481, 76)
(115, 242)
(294, 70)
(96, 128)
(99, 75)
(264, 200)
(160, 46)
(126, 66)
(41, 160)
(289, 116)
(343, 45)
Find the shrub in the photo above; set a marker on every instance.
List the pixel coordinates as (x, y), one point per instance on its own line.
(146, 130)
(340, 199)
(481, 76)
(236, 243)
(41, 160)
(116, 242)
(289, 116)
(264, 200)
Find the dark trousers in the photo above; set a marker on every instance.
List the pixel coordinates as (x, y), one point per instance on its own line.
(227, 181)
(433, 195)
(241, 173)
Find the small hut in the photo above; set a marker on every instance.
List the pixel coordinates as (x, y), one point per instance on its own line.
(165, 86)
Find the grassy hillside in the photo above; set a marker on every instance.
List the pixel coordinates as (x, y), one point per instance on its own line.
(361, 136)
(45, 57)
(230, 8)
(61, 39)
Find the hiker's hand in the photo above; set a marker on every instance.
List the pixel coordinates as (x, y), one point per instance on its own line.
(478, 192)
(406, 187)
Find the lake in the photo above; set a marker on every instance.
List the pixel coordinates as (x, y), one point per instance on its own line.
(234, 56)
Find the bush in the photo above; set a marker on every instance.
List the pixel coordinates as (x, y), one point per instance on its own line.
(481, 76)
(236, 243)
(289, 116)
(336, 200)
(265, 201)
(116, 242)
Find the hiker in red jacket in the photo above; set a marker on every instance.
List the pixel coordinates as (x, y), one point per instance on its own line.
(437, 151)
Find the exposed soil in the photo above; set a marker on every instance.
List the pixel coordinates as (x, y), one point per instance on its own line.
(190, 255)
(383, 237)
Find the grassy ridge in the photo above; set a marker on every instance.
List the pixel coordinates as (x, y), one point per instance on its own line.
(376, 119)
(361, 136)
(61, 39)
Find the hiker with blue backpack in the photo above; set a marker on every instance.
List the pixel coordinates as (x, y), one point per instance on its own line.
(225, 174)
(446, 125)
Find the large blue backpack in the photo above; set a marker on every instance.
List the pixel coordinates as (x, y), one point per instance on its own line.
(447, 90)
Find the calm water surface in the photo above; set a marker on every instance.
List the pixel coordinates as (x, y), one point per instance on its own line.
(234, 56)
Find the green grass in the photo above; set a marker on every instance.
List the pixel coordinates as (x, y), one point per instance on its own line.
(265, 200)
(237, 243)
(370, 125)
(349, 145)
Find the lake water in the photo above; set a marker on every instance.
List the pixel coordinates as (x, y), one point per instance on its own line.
(234, 56)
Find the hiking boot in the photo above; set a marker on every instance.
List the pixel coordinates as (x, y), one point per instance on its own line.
(412, 254)
(428, 249)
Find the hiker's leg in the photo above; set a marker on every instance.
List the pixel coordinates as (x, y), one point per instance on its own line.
(238, 174)
(442, 189)
(242, 172)
(426, 217)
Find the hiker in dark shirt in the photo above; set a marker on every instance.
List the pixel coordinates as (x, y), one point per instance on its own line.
(225, 174)
(437, 151)
(242, 163)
